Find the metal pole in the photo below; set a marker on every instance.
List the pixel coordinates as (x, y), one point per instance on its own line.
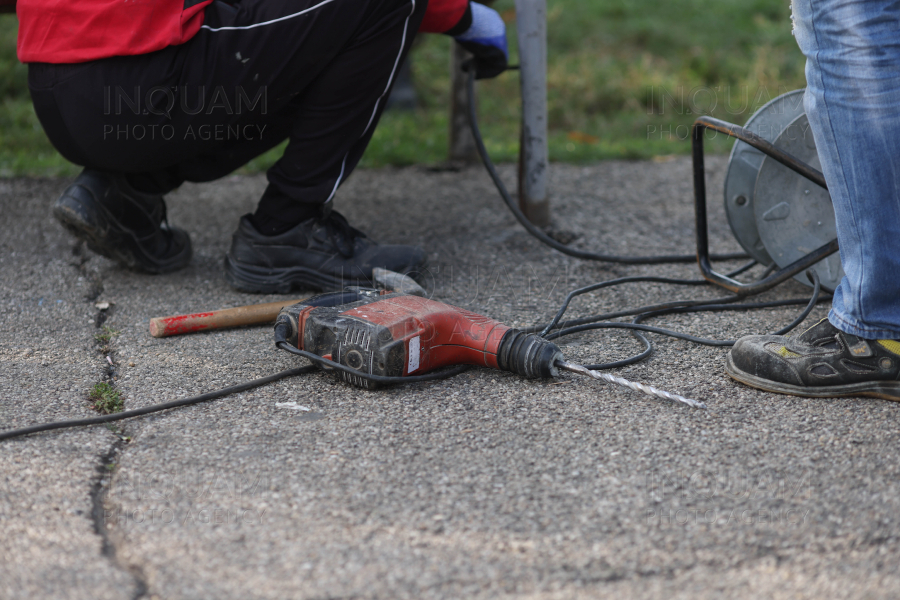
(462, 144)
(531, 21)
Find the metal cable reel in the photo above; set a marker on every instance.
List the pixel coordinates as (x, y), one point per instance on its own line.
(777, 215)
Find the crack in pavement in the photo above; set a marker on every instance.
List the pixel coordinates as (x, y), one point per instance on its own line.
(99, 490)
(106, 468)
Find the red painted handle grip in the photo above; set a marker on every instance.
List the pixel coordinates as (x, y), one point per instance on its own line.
(254, 314)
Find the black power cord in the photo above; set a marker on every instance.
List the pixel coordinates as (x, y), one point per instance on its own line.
(137, 412)
(329, 364)
(538, 233)
(569, 328)
(598, 322)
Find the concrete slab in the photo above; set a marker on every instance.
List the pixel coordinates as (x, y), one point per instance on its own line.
(484, 485)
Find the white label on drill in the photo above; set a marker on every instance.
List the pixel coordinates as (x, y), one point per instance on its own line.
(414, 351)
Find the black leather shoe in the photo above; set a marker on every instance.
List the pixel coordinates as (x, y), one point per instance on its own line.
(118, 222)
(322, 253)
(821, 362)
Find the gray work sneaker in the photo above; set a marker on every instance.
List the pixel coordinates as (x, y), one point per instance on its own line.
(321, 253)
(118, 222)
(821, 362)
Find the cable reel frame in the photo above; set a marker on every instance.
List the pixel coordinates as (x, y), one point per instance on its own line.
(749, 137)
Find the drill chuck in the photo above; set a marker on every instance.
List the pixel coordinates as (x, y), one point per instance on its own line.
(528, 355)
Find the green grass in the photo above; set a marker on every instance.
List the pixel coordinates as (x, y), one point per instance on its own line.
(625, 80)
(106, 334)
(24, 149)
(106, 399)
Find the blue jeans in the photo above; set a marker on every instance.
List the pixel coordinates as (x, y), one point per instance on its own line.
(852, 50)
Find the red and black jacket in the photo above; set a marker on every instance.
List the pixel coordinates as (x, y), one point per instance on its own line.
(74, 31)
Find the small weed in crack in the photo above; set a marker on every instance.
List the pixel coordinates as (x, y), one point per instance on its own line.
(119, 433)
(104, 337)
(106, 398)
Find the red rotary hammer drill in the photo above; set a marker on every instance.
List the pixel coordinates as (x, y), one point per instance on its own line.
(400, 335)
(376, 335)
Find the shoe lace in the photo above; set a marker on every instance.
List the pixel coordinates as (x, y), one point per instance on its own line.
(163, 229)
(341, 234)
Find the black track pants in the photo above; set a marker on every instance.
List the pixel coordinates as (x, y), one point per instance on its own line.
(316, 72)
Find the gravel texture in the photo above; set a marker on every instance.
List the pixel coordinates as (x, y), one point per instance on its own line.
(481, 486)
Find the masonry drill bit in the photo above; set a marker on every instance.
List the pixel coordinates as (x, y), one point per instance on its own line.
(638, 387)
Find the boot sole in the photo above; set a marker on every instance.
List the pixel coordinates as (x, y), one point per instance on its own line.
(108, 239)
(886, 390)
(261, 280)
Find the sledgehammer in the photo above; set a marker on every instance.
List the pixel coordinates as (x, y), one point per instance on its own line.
(259, 314)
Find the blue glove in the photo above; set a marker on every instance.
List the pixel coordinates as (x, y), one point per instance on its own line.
(486, 40)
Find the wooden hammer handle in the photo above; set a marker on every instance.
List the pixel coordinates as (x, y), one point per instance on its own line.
(254, 314)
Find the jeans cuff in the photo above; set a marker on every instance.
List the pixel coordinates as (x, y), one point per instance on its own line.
(854, 327)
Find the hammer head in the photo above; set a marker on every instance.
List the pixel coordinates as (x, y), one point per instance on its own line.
(397, 282)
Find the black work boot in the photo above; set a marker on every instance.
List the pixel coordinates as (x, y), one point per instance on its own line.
(821, 362)
(321, 253)
(121, 223)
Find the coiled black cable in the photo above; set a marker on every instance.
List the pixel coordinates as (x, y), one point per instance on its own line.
(717, 305)
(599, 321)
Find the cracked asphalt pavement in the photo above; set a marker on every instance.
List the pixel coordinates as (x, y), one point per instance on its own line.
(481, 486)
